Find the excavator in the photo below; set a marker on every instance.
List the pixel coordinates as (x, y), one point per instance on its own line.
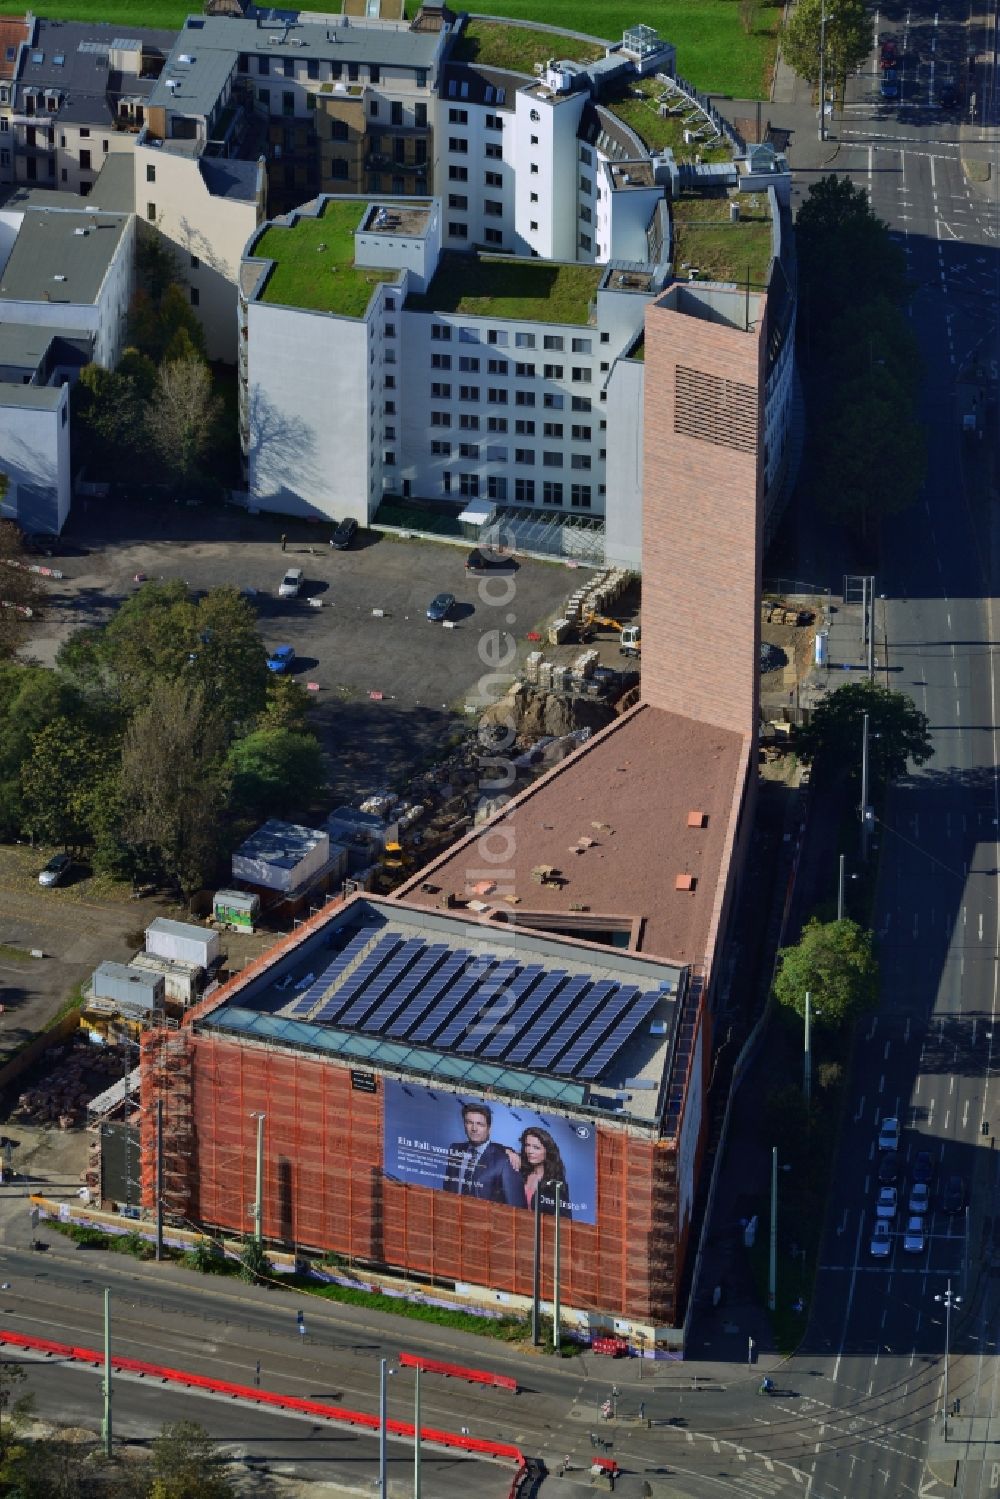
(629, 636)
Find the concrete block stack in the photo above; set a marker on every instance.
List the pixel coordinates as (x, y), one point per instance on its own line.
(585, 664)
(532, 664)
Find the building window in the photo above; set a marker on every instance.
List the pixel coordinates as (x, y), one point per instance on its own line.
(496, 487)
(469, 363)
(492, 209)
(440, 361)
(524, 341)
(533, 169)
(586, 186)
(581, 374)
(493, 179)
(497, 424)
(524, 491)
(534, 226)
(440, 392)
(195, 296)
(389, 408)
(533, 140)
(390, 330)
(553, 371)
(468, 336)
(553, 341)
(580, 496)
(374, 73)
(458, 145)
(524, 371)
(312, 68)
(150, 173)
(85, 161)
(494, 122)
(496, 366)
(458, 117)
(524, 427)
(389, 460)
(338, 169)
(580, 460)
(552, 493)
(493, 151)
(151, 212)
(468, 485)
(446, 482)
(586, 155)
(420, 116)
(264, 97)
(525, 455)
(458, 174)
(496, 455)
(373, 108)
(390, 432)
(585, 242)
(524, 398)
(497, 336)
(497, 394)
(469, 450)
(581, 434)
(552, 429)
(441, 331)
(533, 197)
(552, 460)
(552, 401)
(586, 216)
(581, 345)
(353, 71)
(468, 423)
(582, 403)
(395, 112)
(458, 200)
(389, 382)
(468, 392)
(440, 419)
(263, 66)
(441, 449)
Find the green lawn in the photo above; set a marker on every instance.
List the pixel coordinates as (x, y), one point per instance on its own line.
(165, 14)
(712, 51)
(519, 48)
(314, 263)
(659, 131)
(529, 290)
(723, 251)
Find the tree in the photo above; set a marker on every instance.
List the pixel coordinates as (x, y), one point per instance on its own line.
(15, 1403)
(30, 698)
(172, 788)
(871, 455)
(842, 246)
(847, 40)
(835, 963)
(871, 339)
(182, 416)
(157, 263)
(185, 1465)
(61, 781)
(255, 1266)
(287, 705)
(21, 591)
(897, 732)
(275, 772)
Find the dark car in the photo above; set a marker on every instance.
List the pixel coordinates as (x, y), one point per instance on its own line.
(344, 534)
(888, 1167)
(923, 1167)
(889, 86)
(281, 658)
(440, 607)
(56, 870)
(953, 1195)
(889, 56)
(484, 561)
(948, 95)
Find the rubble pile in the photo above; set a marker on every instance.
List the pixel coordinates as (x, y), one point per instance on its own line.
(75, 1073)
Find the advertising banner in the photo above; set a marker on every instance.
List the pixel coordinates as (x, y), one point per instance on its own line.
(497, 1152)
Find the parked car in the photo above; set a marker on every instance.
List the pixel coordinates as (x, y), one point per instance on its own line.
(923, 1167)
(881, 1240)
(913, 1238)
(440, 607)
(56, 870)
(281, 658)
(889, 84)
(948, 95)
(888, 1167)
(889, 55)
(888, 1135)
(291, 584)
(953, 1195)
(920, 1198)
(885, 1207)
(481, 560)
(344, 534)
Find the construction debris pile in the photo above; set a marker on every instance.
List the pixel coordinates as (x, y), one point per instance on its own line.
(74, 1073)
(593, 599)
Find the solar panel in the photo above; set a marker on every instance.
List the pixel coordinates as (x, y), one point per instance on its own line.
(484, 995)
(400, 994)
(359, 979)
(598, 1027)
(573, 1023)
(452, 998)
(383, 982)
(620, 1036)
(403, 1023)
(507, 1035)
(318, 988)
(508, 1012)
(549, 1018)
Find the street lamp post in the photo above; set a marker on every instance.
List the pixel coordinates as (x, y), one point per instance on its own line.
(772, 1267)
(822, 74)
(557, 1187)
(865, 810)
(949, 1301)
(416, 1435)
(258, 1226)
(536, 1280)
(383, 1482)
(807, 1057)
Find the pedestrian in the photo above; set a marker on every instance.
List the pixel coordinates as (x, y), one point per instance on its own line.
(642, 1410)
(284, 541)
(593, 1439)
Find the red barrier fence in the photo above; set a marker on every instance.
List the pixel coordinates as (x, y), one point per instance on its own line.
(502, 1451)
(458, 1371)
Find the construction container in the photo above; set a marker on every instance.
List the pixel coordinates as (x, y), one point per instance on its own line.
(132, 993)
(235, 908)
(282, 856)
(182, 942)
(182, 981)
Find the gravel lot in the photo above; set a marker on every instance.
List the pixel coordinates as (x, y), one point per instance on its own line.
(424, 672)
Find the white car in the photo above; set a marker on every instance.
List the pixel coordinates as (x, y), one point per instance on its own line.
(886, 1205)
(291, 584)
(920, 1198)
(913, 1239)
(888, 1135)
(881, 1240)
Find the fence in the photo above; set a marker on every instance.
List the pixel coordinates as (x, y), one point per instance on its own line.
(458, 1371)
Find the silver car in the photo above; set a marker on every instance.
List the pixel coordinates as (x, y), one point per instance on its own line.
(913, 1238)
(291, 584)
(55, 870)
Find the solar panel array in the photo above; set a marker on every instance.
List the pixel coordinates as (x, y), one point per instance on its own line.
(478, 1004)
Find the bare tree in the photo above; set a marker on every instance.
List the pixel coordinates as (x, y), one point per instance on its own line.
(182, 415)
(21, 591)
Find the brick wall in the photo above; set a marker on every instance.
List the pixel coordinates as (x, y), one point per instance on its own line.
(702, 511)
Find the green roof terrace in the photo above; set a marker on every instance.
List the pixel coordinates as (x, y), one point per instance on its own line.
(530, 291)
(314, 262)
(639, 107)
(707, 239)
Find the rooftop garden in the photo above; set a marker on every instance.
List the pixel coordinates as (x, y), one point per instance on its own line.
(519, 48)
(314, 263)
(525, 290)
(639, 108)
(705, 238)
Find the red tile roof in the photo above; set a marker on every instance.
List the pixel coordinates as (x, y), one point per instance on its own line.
(12, 31)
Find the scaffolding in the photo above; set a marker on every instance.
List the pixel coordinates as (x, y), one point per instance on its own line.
(166, 1058)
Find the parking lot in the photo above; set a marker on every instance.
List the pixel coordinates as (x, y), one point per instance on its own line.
(390, 686)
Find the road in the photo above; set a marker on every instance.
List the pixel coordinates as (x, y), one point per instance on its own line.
(871, 1376)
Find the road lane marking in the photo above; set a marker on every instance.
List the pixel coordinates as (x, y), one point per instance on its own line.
(850, 1297)
(861, 1109)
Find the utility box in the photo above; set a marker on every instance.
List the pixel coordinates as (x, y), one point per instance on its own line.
(182, 981)
(183, 942)
(235, 908)
(132, 993)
